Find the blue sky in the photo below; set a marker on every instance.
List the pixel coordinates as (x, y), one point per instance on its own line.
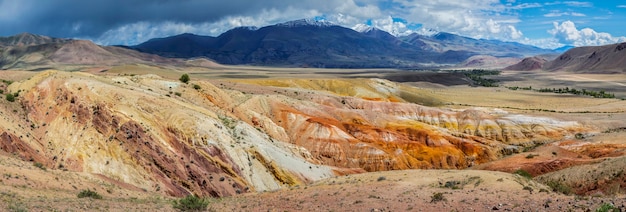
(548, 24)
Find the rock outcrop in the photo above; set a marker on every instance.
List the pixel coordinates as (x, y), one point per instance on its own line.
(229, 137)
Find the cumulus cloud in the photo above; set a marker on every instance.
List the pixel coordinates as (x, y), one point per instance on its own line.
(567, 33)
(127, 22)
(474, 18)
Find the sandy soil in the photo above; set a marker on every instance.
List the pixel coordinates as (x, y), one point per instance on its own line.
(416, 190)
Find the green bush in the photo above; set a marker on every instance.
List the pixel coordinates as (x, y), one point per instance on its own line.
(10, 97)
(523, 173)
(191, 203)
(607, 207)
(90, 194)
(39, 165)
(196, 86)
(185, 78)
(437, 197)
(559, 187)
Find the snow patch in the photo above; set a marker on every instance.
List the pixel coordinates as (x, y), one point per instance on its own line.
(306, 22)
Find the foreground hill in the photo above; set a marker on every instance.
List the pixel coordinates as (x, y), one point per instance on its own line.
(309, 43)
(589, 59)
(251, 135)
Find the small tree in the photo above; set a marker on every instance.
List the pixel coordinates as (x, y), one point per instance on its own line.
(196, 86)
(184, 78)
(10, 97)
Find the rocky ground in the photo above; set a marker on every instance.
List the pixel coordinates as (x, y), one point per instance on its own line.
(419, 190)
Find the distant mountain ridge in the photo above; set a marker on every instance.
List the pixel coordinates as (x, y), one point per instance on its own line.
(443, 41)
(26, 39)
(34, 52)
(588, 59)
(312, 43)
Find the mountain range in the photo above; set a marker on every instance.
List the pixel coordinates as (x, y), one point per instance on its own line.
(38, 52)
(310, 43)
(587, 59)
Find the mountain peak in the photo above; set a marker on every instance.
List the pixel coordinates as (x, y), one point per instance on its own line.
(363, 28)
(427, 31)
(306, 22)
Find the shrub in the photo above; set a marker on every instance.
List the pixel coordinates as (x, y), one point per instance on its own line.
(178, 93)
(39, 165)
(452, 184)
(607, 207)
(437, 197)
(529, 156)
(184, 78)
(559, 187)
(10, 97)
(196, 86)
(90, 194)
(191, 203)
(381, 178)
(523, 173)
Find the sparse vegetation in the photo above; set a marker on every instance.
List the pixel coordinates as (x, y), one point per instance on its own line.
(607, 207)
(566, 90)
(559, 187)
(89, 194)
(455, 184)
(381, 178)
(191, 203)
(7, 82)
(10, 97)
(476, 76)
(529, 156)
(184, 78)
(39, 165)
(196, 86)
(523, 173)
(437, 197)
(17, 206)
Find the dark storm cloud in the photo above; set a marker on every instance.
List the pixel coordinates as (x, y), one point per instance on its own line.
(90, 18)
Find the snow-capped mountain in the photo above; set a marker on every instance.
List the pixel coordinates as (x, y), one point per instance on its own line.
(306, 22)
(319, 43)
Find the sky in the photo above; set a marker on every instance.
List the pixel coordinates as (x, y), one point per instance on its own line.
(547, 24)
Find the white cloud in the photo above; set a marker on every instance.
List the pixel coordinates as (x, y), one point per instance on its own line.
(567, 33)
(547, 43)
(524, 6)
(394, 28)
(474, 18)
(578, 4)
(135, 33)
(515, 34)
(621, 6)
(559, 14)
